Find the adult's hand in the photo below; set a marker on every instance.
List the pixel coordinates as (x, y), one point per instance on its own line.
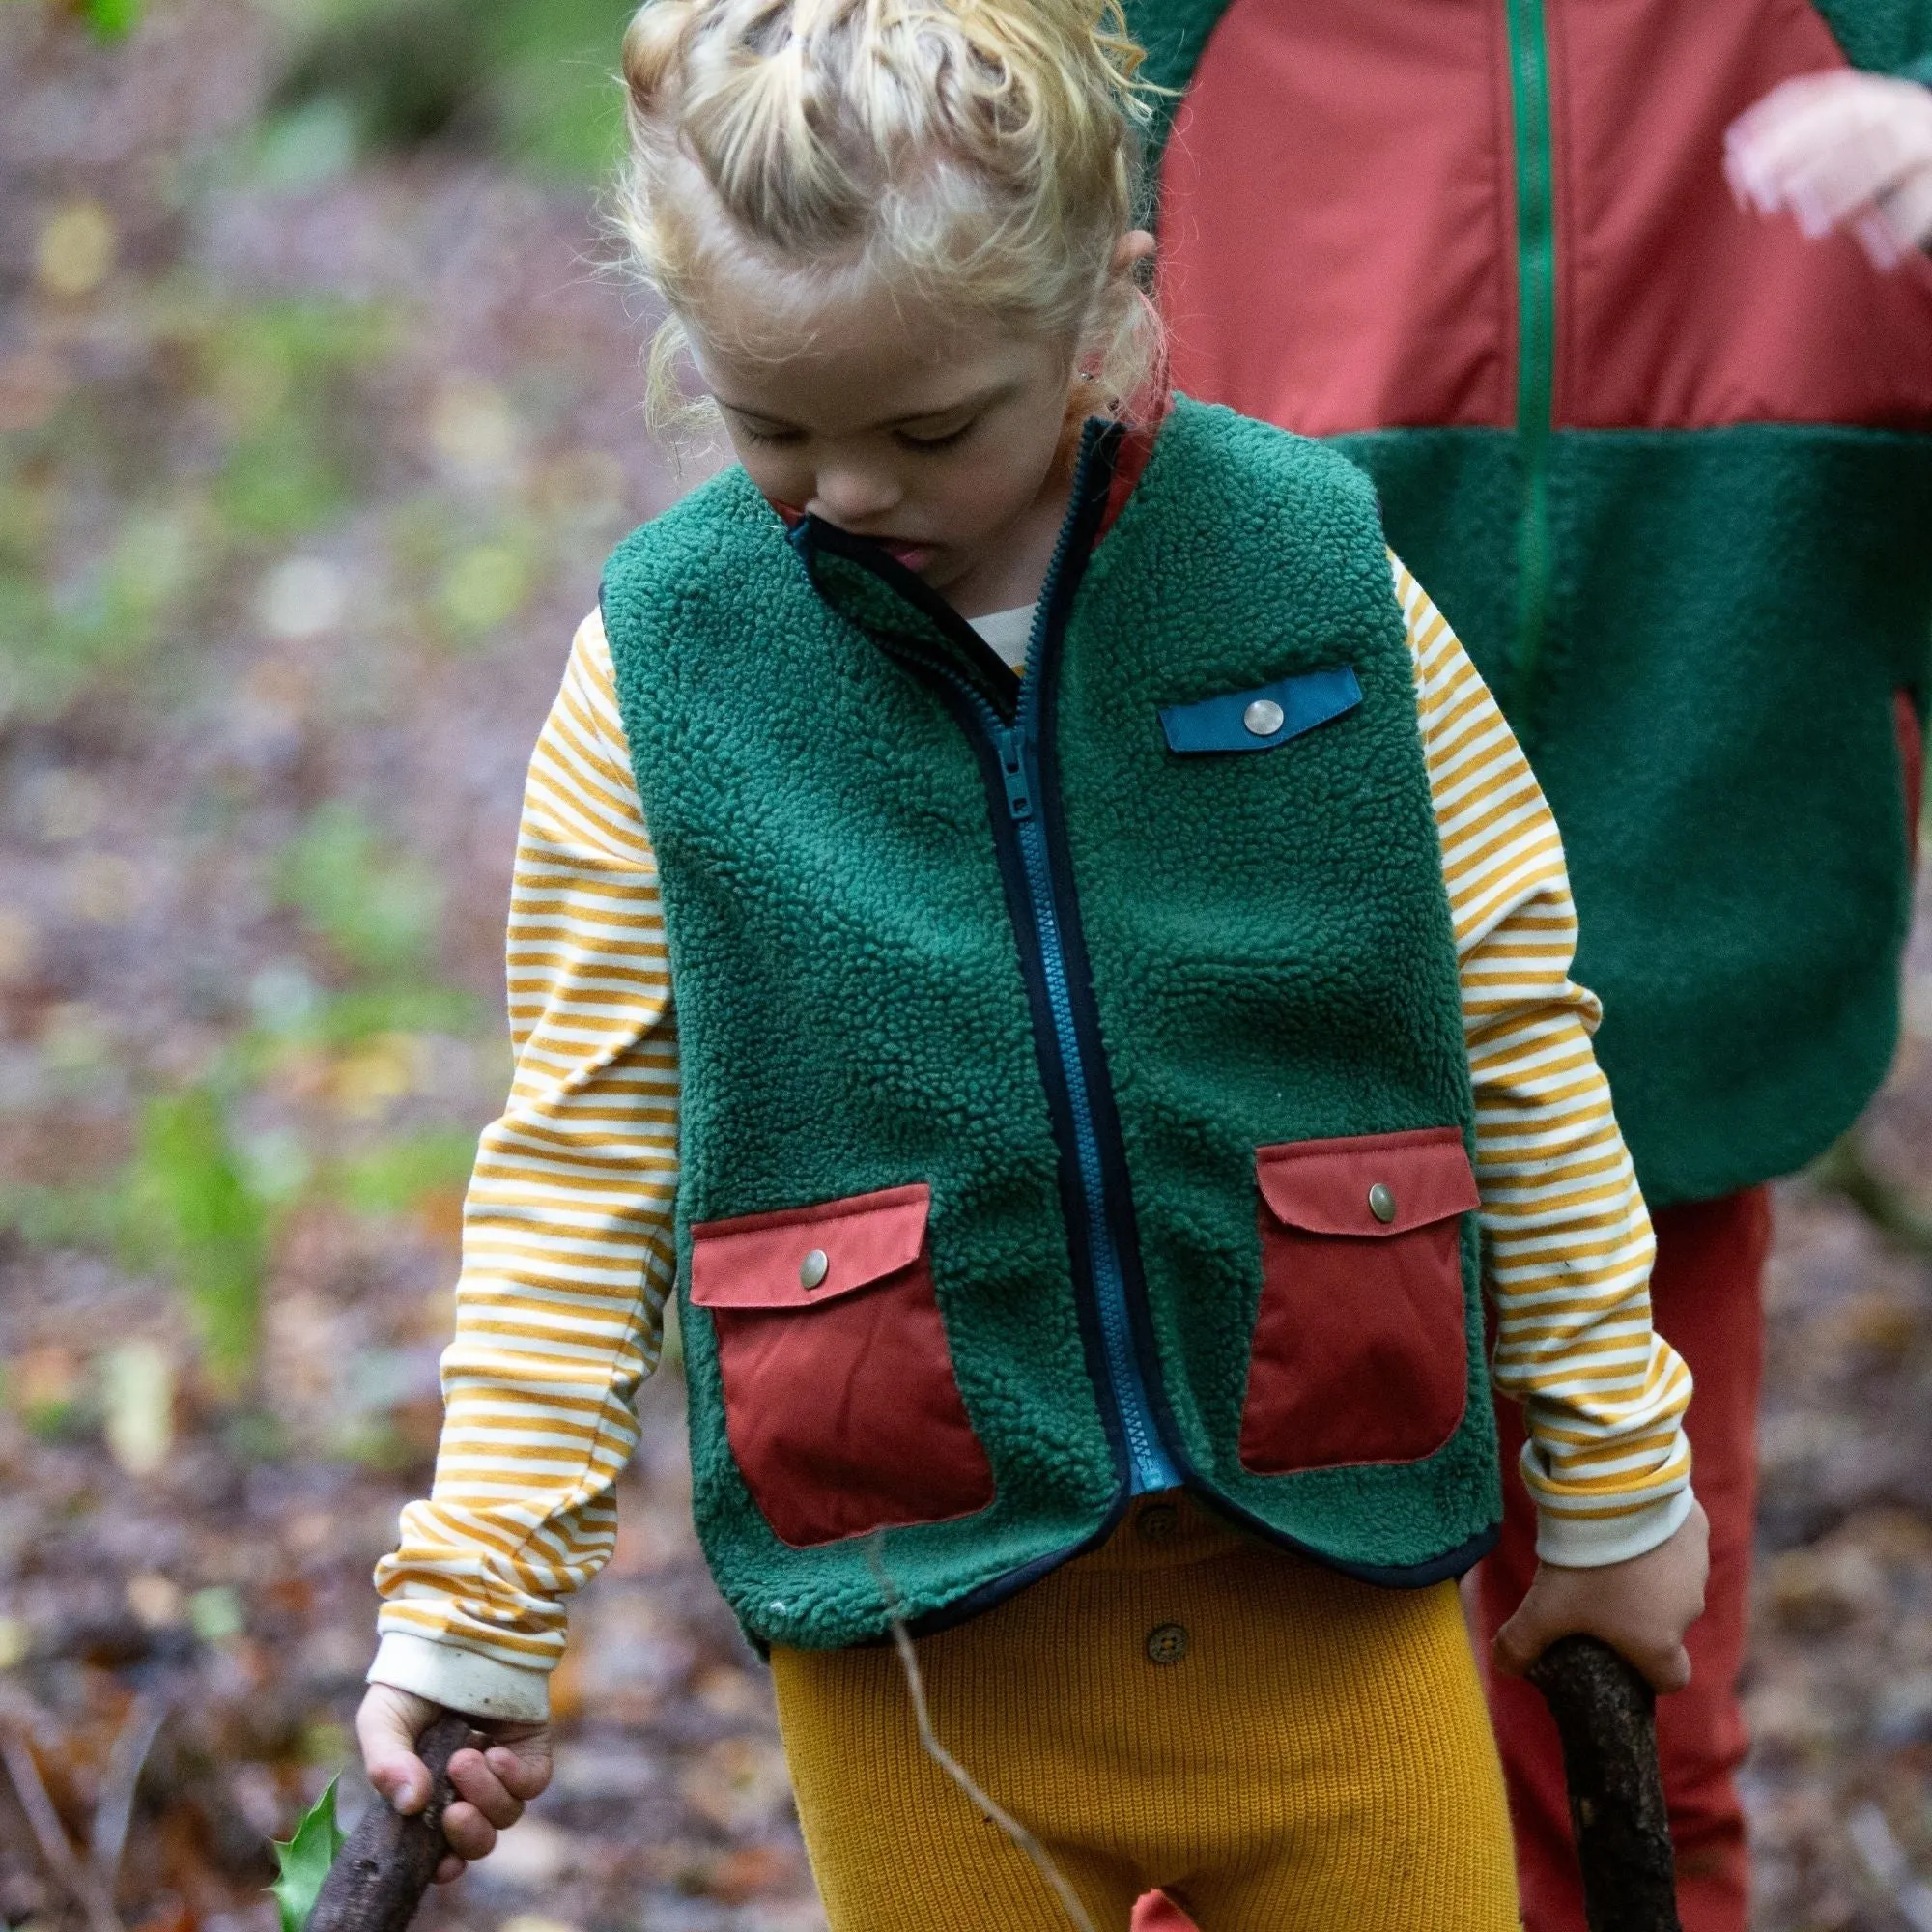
(492, 1786)
(1840, 150)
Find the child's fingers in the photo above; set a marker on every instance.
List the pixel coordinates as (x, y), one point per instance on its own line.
(1876, 238)
(1830, 152)
(1820, 114)
(1841, 163)
(402, 1777)
(1781, 104)
(1907, 210)
(1665, 1665)
(387, 1724)
(1852, 176)
(524, 1772)
(451, 1867)
(477, 1780)
(470, 1834)
(1520, 1642)
(1787, 125)
(1671, 1673)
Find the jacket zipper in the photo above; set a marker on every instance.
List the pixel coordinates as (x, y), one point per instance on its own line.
(1536, 332)
(1017, 751)
(1150, 1466)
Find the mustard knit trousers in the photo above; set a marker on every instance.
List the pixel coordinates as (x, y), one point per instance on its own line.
(1278, 1748)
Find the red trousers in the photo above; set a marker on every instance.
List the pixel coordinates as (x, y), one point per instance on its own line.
(1706, 1302)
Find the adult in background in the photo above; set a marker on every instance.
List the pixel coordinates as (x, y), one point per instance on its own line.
(1667, 470)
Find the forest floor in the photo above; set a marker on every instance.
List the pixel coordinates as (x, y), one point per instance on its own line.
(307, 465)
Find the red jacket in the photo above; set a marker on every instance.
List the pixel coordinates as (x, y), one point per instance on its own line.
(1665, 465)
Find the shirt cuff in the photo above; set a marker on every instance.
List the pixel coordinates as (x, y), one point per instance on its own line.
(1589, 1542)
(461, 1680)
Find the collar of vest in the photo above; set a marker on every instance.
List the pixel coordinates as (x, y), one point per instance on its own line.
(865, 583)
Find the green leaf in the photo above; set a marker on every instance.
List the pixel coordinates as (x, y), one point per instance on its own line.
(190, 1191)
(305, 1860)
(376, 904)
(111, 18)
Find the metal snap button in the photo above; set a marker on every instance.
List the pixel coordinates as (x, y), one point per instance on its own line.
(1167, 1643)
(1381, 1202)
(814, 1268)
(1262, 718)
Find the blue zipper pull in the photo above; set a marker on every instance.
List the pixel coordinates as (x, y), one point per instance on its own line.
(1013, 768)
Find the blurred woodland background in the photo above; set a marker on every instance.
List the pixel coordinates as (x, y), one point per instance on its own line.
(319, 409)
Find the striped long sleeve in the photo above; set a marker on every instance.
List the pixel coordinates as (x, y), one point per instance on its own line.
(566, 1239)
(1568, 1238)
(567, 1256)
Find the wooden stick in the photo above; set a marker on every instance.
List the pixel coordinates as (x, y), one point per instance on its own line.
(114, 1809)
(995, 1814)
(77, 1880)
(381, 1874)
(1606, 1716)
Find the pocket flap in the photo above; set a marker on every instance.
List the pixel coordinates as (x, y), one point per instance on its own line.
(1261, 719)
(1368, 1183)
(799, 1256)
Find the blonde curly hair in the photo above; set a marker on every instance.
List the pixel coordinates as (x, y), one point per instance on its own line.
(981, 154)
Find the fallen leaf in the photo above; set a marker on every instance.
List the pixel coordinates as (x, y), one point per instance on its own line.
(103, 888)
(215, 1613)
(77, 249)
(744, 1875)
(156, 1601)
(137, 1387)
(302, 598)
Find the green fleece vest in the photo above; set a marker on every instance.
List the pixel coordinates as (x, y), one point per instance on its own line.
(1075, 1098)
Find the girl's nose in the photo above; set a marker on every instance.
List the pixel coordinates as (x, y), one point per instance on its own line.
(850, 495)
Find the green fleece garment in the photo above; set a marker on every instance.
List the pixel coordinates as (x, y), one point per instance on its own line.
(1685, 697)
(1881, 36)
(1731, 612)
(1266, 937)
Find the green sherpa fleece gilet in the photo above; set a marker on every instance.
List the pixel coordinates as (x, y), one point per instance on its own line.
(1074, 1091)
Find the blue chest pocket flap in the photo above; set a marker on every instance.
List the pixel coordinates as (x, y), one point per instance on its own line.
(1261, 719)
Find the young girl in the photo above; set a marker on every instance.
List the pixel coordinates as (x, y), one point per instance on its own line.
(1120, 958)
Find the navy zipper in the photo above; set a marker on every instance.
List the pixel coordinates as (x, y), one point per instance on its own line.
(1013, 752)
(1149, 1466)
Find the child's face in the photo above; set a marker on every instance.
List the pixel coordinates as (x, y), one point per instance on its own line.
(937, 439)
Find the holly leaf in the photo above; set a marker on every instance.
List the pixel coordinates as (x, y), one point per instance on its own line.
(305, 1860)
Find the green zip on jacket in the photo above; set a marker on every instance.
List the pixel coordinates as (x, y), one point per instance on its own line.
(1075, 1095)
(1665, 465)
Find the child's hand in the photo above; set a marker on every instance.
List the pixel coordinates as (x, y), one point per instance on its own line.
(493, 1785)
(1641, 1609)
(1840, 149)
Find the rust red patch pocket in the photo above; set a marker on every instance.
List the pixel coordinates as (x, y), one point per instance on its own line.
(1360, 1350)
(841, 1404)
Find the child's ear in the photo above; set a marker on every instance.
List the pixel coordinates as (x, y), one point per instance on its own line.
(1133, 248)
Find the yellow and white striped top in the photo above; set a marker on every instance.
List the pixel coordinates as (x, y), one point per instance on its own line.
(567, 1253)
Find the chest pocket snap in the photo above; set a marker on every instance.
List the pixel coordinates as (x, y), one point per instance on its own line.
(1360, 1350)
(1262, 718)
(841, 1404)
